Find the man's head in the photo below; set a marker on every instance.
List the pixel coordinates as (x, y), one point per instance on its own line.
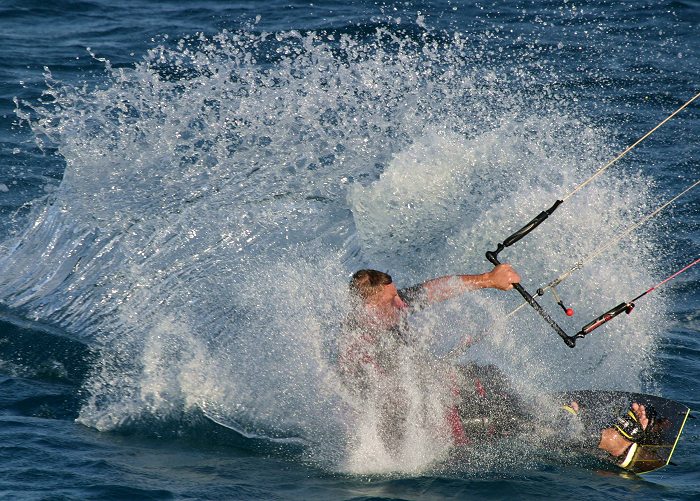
(366, 284)
(377, 292)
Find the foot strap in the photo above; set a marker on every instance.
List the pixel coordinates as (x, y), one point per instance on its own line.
(629, 426)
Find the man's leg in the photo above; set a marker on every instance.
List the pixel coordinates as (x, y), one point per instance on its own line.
(393, 412)
(487, 402)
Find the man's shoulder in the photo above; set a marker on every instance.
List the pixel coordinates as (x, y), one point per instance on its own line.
(415, 296)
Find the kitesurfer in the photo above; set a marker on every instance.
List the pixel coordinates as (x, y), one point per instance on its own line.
(377, 341)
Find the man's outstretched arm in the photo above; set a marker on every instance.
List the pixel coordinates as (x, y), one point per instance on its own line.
(501, 277)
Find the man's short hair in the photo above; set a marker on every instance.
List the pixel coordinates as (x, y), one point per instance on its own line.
(365, 283)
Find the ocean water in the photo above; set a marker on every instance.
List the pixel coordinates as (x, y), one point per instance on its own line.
(185, 188)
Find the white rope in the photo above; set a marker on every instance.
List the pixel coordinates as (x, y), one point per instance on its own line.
(629, 148)
(611, 242)
(460, 348)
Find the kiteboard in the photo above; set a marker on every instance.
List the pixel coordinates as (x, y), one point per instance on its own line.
(600, 408)
(499, 413)
(597, 410)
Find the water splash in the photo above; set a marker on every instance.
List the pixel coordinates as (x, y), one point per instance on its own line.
(217, 195)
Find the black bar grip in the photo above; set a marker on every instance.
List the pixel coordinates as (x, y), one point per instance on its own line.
(536, 221)
(492, 256)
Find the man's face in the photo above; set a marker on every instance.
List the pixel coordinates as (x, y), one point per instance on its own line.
(386, 305)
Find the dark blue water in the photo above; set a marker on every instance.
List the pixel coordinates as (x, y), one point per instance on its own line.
(186, 186)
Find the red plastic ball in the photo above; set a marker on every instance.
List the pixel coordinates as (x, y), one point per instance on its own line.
(570, 312)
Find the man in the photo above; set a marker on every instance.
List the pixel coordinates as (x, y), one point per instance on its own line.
(377, 344)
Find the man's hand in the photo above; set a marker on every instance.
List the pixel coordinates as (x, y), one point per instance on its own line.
(502, 277)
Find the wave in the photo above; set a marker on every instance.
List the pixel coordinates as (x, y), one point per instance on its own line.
(218, 194)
